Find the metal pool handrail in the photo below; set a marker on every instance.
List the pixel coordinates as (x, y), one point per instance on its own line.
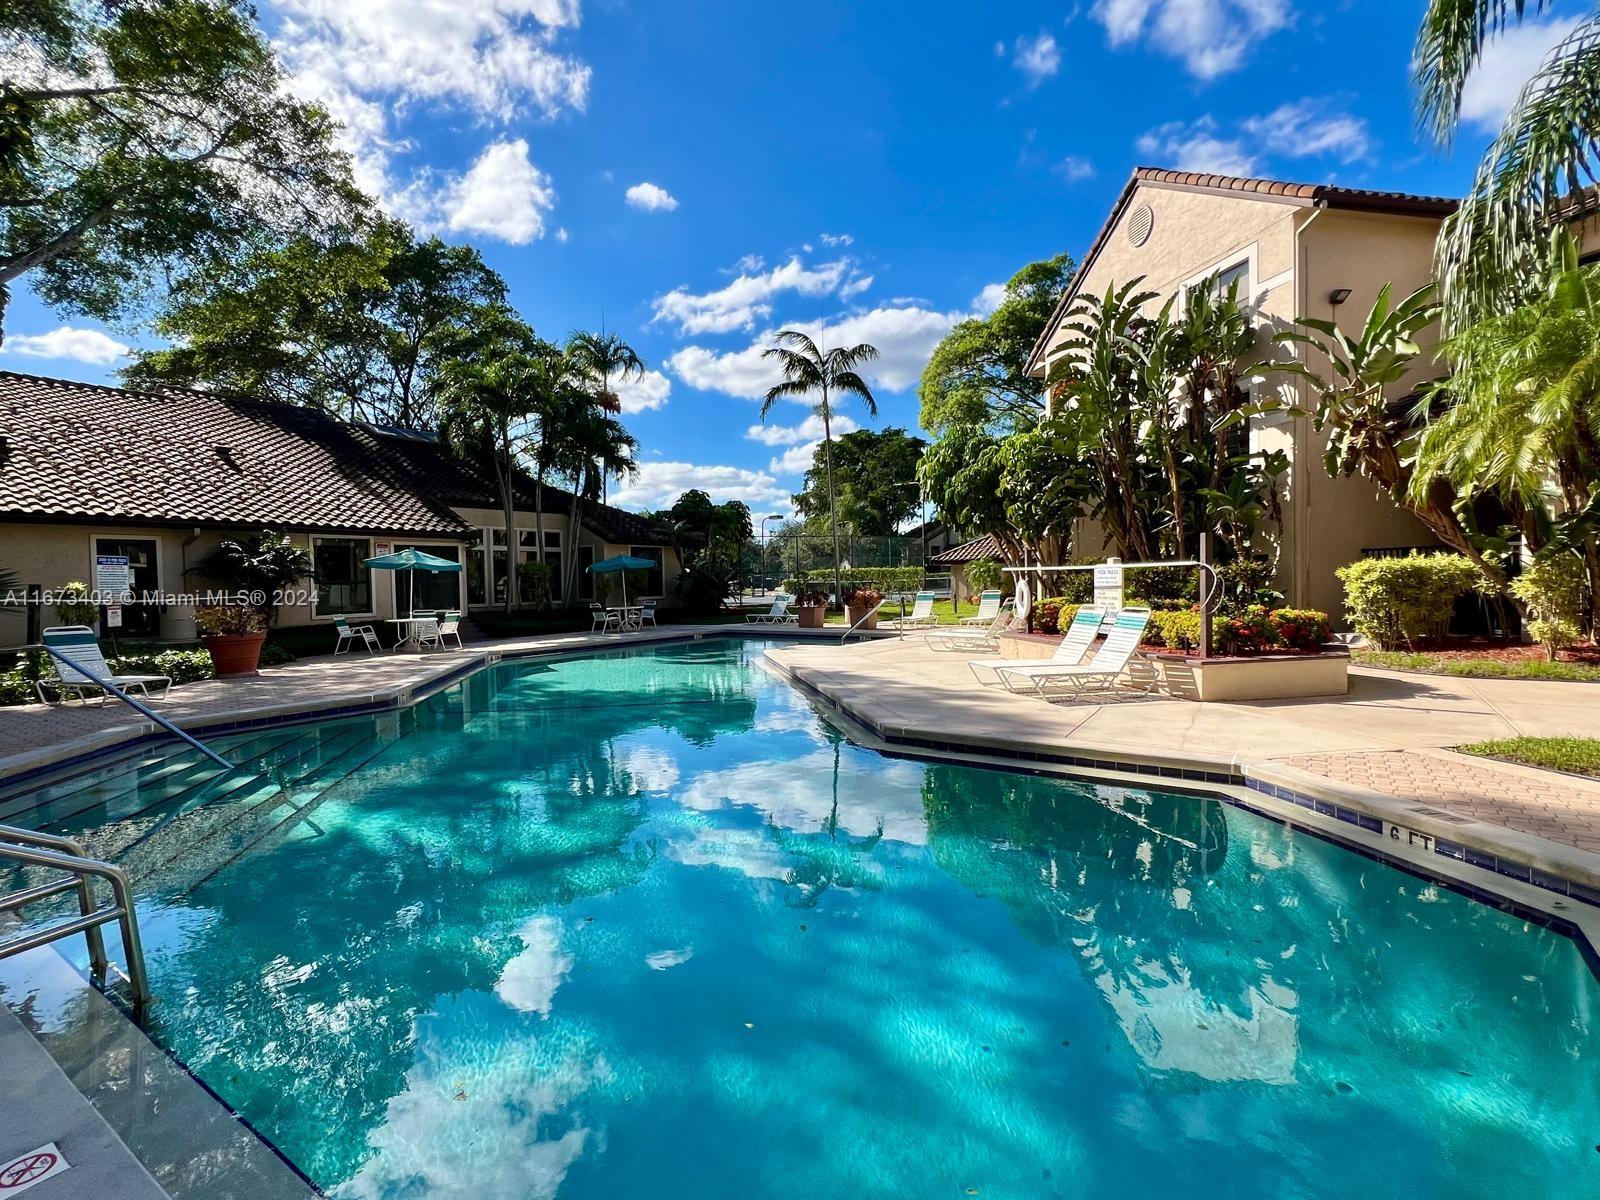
(869, 615)
(142, 709)
(64, 854)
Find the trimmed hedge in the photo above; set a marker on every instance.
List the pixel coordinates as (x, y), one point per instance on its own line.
(881, 579)
(1049, 615)
(1395, 601)
(1178, 630)
(181, 666)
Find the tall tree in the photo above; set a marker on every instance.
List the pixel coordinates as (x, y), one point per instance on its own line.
(490, 393)
(141, 140)
(876, 468)
(978, 373)
(602, 357)
(358, 324)
(809, 370)
(1522, 413)
(597, 448)
(1491, 250)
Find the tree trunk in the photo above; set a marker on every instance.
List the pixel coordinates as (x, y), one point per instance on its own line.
(833, 512)
(570, 562)
(509, 511)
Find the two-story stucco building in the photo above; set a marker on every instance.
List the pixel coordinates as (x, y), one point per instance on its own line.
(1298, 250)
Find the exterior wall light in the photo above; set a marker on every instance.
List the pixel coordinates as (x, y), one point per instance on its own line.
(1338, 296)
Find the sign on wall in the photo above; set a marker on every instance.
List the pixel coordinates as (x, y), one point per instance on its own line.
(111, 575)
(1108, 585)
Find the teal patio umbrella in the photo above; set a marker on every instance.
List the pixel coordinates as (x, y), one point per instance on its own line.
(622, 562)
(412, 561)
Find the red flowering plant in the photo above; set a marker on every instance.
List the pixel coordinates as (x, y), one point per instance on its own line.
(1303, 629)
(1249, 631)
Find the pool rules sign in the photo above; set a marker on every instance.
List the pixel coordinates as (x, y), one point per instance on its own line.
(1108, 586)
(25, 1170)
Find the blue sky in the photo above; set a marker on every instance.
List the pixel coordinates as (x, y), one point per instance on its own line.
(699, 175)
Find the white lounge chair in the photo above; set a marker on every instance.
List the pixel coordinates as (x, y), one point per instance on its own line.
(971, 638)
(778, 614)
(350, 634)
(920, 617)
(1099, 674)
(988, 609)
(85, 664)
(603, 619)
(1075, 643)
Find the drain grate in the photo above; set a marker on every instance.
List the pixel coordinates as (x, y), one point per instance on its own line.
(1442, 815)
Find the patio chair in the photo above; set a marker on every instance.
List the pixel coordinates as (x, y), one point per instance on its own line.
(85, 664)
(350, 634)
(426, 634)
(988, 609)
(778, 614)
(921, 615)
(647, 612)
(1097, 675)
(450, 627)
(1080, 635)
(970, 638)
(603, 619)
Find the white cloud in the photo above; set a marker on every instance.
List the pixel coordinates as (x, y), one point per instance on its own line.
(69, 344)
(808, 432)
(905, 337)
(836, 239)
(503, 195)
(650, 198)
(748, 299)
(658, 484)
(370, 62)
(1038, 58)
(562, 235)
(1212, 37)
(1307, 129)
(1508, 62)
(649, 390)
(1197, 146)
(992, 296)
(855, 287)
(1074, 168)
(796, 460)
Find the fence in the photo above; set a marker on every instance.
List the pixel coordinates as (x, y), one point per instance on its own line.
(788, 555)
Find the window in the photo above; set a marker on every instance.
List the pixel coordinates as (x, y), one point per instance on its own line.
(477, 570)
(1238, 273)
(653, 584)
(344, 581)
(527, 551)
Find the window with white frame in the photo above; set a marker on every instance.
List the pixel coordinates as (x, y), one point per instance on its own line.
(344, 581)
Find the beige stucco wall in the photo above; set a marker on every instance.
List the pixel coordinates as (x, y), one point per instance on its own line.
(1333, 520)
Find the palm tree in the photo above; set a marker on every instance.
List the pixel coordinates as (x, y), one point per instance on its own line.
(600, 356)
(597, 448)
(488, 395)
(1524, 411)
(1531, 172)
(561, 402)
(808, 369)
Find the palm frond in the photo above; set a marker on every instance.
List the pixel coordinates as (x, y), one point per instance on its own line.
(1450, 44)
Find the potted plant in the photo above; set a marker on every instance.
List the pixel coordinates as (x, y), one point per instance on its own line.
(862, 606)
(233, 634)
(810, 608)
(255, 569)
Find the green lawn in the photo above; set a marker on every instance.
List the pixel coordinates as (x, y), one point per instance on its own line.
(1581, 756)
(1476, 668)
(942, 612)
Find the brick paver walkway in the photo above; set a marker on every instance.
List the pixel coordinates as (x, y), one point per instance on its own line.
(1531, 801)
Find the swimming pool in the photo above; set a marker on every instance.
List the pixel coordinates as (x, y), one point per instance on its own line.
(642, 924)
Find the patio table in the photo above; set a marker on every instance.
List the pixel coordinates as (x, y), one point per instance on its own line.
(627, 614)
(406, 628)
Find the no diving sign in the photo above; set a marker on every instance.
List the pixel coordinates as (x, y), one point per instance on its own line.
(22, 1172)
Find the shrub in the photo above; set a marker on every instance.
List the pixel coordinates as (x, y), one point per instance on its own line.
(1250, 631)
(865, 597)
(984, 575)
(1552, 588)
(705, 587)
(1178, 630)
(1300, 628)
(73, 606)
(1162, 583)
(230, 619)
(1052, 615)
(1398, 600)
(883, 579)
(533, 583)
(1247, 581)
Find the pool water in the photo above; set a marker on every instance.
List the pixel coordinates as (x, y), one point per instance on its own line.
(641, 924)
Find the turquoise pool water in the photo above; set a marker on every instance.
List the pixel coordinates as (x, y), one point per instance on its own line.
(641, 924)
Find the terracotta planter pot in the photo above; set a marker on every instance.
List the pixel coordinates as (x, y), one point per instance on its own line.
(811, 618)
(854, 614)
(235, 653)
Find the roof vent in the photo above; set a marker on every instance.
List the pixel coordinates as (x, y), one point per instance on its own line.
(1140, 224)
